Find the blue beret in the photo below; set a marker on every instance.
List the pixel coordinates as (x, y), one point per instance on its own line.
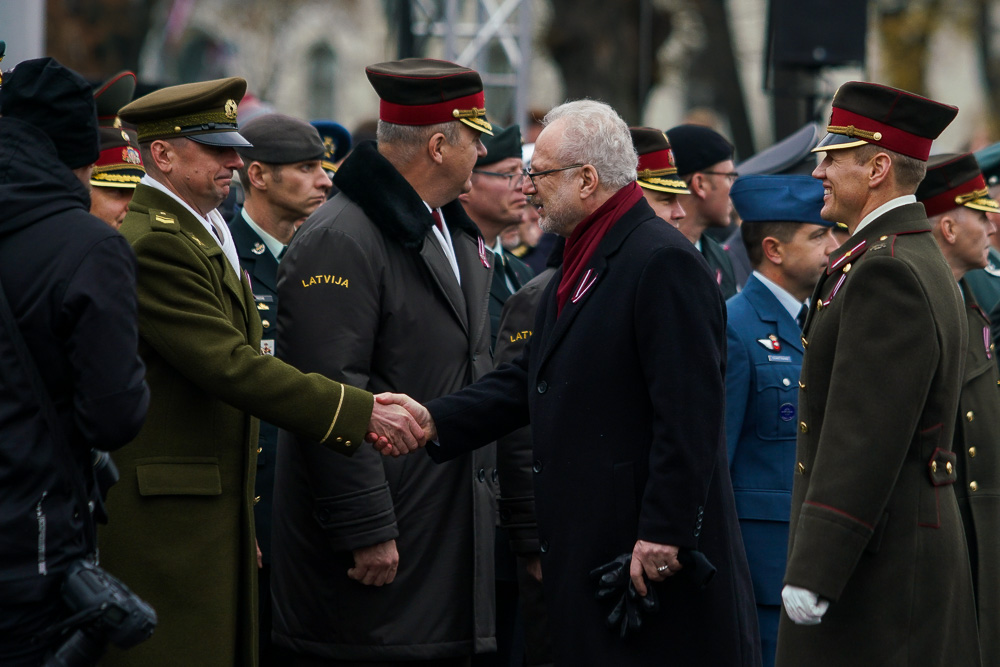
(336, 141)
(779, 198)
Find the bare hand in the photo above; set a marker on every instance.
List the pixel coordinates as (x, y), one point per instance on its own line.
(533, 565)
(375, 565)
(393, 430)
(648, 558)
(418, 412)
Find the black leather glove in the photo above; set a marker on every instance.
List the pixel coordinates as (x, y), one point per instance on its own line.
(614, 583)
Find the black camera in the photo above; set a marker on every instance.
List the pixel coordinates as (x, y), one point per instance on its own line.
(103, 610)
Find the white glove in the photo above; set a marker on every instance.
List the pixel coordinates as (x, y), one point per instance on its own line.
(802, 606)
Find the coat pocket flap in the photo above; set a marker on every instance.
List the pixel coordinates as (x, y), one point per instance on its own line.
(179, 478)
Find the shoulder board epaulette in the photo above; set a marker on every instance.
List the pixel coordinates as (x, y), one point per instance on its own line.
(882, 244)
(163, 221)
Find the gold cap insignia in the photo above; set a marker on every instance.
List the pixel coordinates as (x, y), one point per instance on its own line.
(230, 109)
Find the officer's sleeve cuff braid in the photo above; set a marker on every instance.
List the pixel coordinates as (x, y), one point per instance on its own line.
(350, 420)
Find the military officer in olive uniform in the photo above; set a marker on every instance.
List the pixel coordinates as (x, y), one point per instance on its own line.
(284, 181)
(958, 202)
(183, 534)
(875, 525)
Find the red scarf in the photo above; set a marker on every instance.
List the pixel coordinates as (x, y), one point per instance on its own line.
(582, 243)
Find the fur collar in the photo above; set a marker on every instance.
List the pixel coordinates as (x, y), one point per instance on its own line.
(371, 182)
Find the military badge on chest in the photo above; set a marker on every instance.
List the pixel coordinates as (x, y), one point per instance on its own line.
(770, 343)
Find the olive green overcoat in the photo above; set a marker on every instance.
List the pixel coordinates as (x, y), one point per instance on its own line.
(181, 532)
(875, 525)
(977, 443)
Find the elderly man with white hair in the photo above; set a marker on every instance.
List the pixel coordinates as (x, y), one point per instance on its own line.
(623, 384)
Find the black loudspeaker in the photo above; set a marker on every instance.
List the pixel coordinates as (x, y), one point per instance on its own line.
(817, 33)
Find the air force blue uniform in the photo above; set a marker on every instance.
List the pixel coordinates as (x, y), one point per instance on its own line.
(764, 348)
(762, 383)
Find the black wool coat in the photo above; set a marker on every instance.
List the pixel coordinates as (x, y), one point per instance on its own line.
(368, 297)
(624, 392)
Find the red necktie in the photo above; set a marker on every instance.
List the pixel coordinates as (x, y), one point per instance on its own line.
(437, 220)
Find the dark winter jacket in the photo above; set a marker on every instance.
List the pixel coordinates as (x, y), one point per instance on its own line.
(70, 282)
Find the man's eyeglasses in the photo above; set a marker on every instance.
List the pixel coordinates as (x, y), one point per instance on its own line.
(514, 181)
(731, 175)
(534, 175)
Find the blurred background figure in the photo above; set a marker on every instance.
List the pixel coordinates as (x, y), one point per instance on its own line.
(336, 146)
(657, 173)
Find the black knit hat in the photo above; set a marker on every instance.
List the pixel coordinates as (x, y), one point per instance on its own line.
(57, 101)
(697, 147)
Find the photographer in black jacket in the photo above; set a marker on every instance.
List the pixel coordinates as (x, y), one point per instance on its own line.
(70, 282)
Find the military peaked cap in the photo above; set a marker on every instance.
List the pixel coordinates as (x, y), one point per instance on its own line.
(502, 144)
(421, 91)
(697, 147)
(120, 165)
(336, 142)
(111, 96)
(953, 181)
(280, 139)
(57, 101)
(204, 112)
(870, 113)
(791, 155)
(778, 198)
(657, 168)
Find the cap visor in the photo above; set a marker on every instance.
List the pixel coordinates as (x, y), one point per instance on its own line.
(479, 124)
(984, 204)
(832, 142)
(671, 185)
(232, 139)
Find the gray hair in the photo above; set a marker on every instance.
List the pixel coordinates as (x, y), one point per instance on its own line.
(405, 141)
(595, 134)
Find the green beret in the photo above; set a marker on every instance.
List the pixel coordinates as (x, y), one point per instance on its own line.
(503, 144)
(204, 112)
(280, 139)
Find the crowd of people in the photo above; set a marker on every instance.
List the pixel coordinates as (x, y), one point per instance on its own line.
(744, 414)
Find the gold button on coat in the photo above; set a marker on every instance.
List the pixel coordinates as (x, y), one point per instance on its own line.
(970, 415)
(260, 449)
(804, 427)
(256, 500)
(801, 385)
(800, 467)
(949, 467)
(972, 452)
(265, 323)
(933, 466)
(973, 486)
(847, 267)
(805, 343)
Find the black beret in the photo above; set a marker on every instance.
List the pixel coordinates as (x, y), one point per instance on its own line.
(697, 147)
(503, 144)
(280, 139)
(59, 102)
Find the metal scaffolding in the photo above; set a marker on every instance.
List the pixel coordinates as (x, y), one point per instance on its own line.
(494, 37)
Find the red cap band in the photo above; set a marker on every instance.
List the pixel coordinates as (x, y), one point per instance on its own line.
(120, 156)
(428, 114)
(892, 138)
(657, 160)
(946, 200)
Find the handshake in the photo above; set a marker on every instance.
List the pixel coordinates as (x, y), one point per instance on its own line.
(399, 424)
